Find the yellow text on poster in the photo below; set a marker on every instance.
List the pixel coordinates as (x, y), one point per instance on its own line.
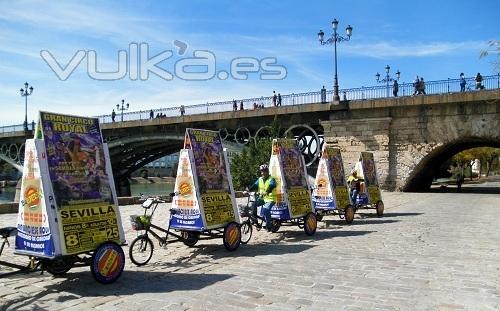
(299, 200)
(86, 226)
(218, 208)
(373, 194)
(342, 197)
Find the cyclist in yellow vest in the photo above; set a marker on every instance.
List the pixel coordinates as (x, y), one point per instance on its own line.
(266, 184)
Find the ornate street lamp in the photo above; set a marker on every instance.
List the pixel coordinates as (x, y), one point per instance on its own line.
(387, 78)
(333, 40)
(25, 93)
(122, 108)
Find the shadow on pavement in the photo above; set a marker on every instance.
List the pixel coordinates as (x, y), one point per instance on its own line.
(294, 236)
(372, 221)
(386, 215)
(81, 284)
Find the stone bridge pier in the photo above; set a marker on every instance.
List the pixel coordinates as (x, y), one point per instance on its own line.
(412, 136)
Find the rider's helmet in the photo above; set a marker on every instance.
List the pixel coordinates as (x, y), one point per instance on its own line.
(264, 167)
(354, 172)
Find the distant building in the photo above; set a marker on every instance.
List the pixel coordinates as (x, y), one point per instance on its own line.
(163, 167)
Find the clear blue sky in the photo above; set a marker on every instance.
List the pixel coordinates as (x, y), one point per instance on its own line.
(434, 39)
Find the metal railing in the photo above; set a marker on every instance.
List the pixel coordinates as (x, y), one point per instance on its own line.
(371, 92)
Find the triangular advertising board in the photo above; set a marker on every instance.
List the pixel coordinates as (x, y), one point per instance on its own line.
(205, 179)
(81, 179)
(370, 177)
(331, 185)
(288, 167)
(34, 235)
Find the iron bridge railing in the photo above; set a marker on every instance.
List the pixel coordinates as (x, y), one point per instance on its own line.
(360, 93)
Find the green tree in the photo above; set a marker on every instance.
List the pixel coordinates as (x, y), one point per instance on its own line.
(245, 166)
(486, 156)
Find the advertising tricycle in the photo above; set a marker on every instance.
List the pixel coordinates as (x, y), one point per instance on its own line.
(293, 205)
(68, 211)
(203, 205)
(330, 192)
(369, 196)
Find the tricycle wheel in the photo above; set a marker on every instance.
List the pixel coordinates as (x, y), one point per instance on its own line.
(275, 225)
(349, 214)
(107, 263)
(380, 208)
(319, 217)
(141, 250)
(59, 265)
(232, 236)
(310, 223)
(190, 238)
(246, 231)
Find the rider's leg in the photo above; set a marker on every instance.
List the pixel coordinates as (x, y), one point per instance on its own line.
(256, 203)
(266, 209)
(354, 195)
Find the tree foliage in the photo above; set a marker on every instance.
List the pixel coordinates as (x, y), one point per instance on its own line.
(486, 156)
(245, 166)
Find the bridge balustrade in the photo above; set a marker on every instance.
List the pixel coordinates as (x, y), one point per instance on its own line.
(360, 93)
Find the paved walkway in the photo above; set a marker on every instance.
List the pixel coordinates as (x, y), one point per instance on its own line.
(434, 251)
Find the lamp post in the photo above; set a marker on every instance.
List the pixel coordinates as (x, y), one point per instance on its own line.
(25, 93)
(387, 78)
(122, 108)
(333, 40)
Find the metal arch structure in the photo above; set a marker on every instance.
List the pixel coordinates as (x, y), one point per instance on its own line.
(13, 154)
(310, 142)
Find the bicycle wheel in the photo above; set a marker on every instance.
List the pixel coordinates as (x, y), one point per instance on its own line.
(141, 250)
(58, 266)
(246, 231)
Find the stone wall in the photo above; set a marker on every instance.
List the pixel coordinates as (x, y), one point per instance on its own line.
(411, 137)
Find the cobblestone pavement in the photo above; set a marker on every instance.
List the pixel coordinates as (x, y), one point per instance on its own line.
(434, 251)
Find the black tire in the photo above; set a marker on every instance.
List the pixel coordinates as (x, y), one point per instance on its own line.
(190, 238)
(380, 208)
(141, 250)
(58, 266)
(319, 217)
(349, 214)
(108, 262)
(232, 236)
(310, 223)
(246, 231)
(275, 225)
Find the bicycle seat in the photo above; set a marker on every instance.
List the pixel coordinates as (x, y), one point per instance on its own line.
(148, 203)
(8, 231)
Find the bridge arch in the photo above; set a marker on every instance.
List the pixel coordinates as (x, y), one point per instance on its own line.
(420, 179)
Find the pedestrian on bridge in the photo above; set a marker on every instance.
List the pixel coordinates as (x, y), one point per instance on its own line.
(274, 98)
(421, 86)
(235, 105)
(462, 82)
(479, 80)
(395, 88)
(182, 110)
(416, 85)
(279, 99)
(113, 115)
(241, 105)
(151, 114)
(323, 95)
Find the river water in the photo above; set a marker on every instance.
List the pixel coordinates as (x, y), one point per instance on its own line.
(7, 194)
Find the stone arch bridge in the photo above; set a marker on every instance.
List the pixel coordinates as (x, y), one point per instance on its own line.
(409, 136)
